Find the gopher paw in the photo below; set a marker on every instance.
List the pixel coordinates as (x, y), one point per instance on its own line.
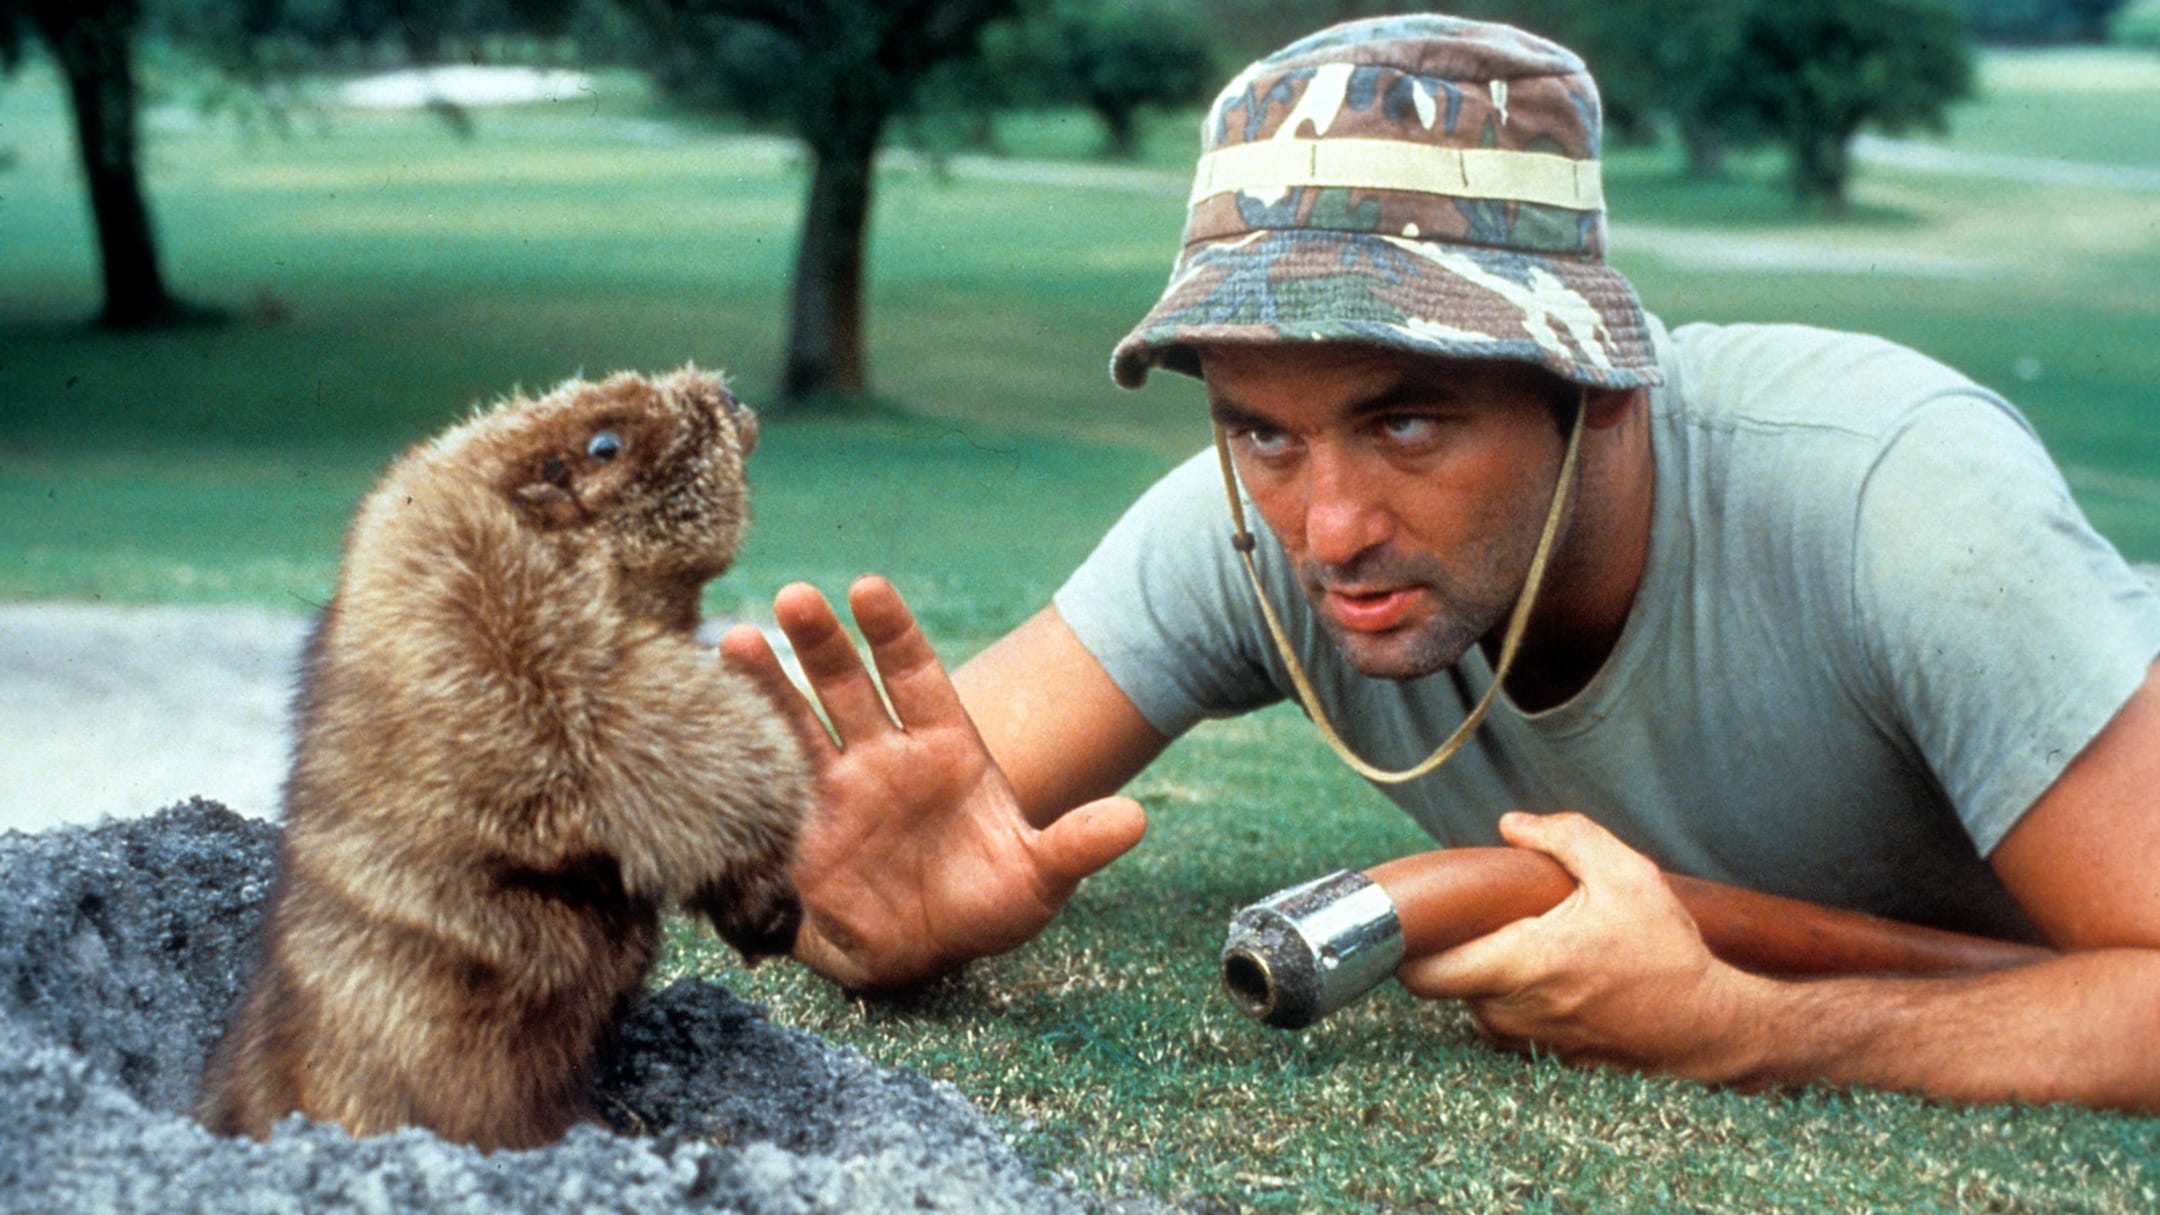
(758, 916)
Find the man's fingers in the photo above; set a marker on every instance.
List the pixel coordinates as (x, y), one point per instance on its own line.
(1594, 856)
(916, 681)
(1517, 955)
(745, 648)
(1495, 964)
(920, 690)
(829, 661)
(1089, 837)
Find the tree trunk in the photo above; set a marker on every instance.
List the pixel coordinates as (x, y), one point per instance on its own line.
(1121, 128)
(825, 338)
(1825, 172)
(852, 64)
(1822, 162)
(1705, 148)
(93, 44)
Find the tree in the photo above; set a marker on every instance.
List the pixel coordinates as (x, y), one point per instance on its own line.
(1813, 74)
(1732, 73)
(1657, 62)
(2138, 24)
(1736, 73)
(1119, 56)
(834, 72)
(93, 43)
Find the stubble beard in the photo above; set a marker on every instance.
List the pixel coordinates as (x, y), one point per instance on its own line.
(1463, 606)
(1456, 618)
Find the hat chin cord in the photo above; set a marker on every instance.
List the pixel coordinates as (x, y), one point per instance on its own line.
(1510, 642)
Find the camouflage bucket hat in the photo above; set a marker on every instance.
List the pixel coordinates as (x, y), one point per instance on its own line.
(1425, 183)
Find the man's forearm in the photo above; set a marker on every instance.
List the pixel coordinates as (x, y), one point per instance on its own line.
(2082, 1028)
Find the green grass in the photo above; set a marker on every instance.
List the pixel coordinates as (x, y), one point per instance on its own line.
(2100, 106)
(834, 499)
(389, 275)
(2047, 293)
(1107, 1045)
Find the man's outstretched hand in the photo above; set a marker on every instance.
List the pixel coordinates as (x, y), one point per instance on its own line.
(918, 858)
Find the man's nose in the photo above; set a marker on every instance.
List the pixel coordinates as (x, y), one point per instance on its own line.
(1344, 514)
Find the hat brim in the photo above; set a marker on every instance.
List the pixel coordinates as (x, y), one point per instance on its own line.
(1575, 317)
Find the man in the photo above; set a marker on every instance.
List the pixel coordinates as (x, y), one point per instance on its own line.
(1801, 611)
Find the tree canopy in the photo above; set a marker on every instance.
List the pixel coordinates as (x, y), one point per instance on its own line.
(1808, 77)
(1117, 57)
(1814, 74)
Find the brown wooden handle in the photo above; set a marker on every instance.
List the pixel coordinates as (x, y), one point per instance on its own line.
(1453, 895)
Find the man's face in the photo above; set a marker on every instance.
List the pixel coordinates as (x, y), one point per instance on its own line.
(1408, 492)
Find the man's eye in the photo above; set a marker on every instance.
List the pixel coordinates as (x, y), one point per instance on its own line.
(1409, 430)
(1266, 444)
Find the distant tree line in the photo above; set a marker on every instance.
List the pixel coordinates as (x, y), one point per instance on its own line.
(838, 74)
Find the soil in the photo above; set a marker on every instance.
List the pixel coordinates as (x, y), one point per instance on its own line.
(123, 946)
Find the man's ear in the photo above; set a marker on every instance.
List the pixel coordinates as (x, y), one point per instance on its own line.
(1608, 407)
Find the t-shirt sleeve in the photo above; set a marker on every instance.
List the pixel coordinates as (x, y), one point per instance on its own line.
(1162, 603)
(2003, 632)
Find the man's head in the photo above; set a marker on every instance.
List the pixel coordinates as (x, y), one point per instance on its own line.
(1420, 183)
(1409, 493)
(1392, 279)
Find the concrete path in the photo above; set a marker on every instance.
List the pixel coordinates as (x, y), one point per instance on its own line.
(119, 711)
(110, 711)
(2034, 170)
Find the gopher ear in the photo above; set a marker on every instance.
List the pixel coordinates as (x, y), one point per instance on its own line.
(552, 505)
(701, 390)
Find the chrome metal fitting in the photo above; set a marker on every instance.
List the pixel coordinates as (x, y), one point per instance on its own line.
(1302, 953)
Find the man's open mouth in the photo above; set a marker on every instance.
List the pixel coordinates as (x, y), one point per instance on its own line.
(1371, 611)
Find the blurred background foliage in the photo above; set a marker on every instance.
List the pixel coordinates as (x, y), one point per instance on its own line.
(840, 75)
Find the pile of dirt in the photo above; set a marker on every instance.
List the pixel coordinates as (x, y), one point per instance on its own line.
(123, 946)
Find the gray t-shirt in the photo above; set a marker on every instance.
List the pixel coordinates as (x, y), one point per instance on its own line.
(1873, 630)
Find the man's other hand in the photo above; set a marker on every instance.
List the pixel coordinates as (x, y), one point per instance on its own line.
(1617, 973)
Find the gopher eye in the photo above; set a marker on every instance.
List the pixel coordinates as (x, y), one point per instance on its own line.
(604, 446)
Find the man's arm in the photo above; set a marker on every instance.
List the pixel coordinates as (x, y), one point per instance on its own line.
(1055, 722)
(1617, 973)
(923, 854)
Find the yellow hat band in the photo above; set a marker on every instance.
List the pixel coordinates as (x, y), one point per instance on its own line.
(1269, 167)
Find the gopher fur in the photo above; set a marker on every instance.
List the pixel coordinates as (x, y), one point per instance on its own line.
(512, 755)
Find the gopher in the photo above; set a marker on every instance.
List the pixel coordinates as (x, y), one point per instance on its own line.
(511, 755)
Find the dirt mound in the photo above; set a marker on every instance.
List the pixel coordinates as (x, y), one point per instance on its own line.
(123, 946)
